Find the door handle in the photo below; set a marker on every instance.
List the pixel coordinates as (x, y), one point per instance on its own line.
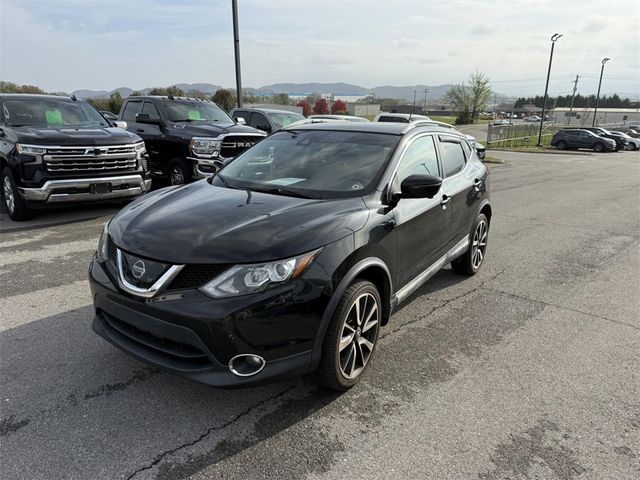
(140, 130)
(445, 200)
(477, 184)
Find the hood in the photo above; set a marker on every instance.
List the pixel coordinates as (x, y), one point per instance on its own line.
(202, 223)
(75, 136)
(212, 129)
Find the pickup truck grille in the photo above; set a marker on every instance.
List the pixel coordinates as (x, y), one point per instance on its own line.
(90, 159)
(234, 145)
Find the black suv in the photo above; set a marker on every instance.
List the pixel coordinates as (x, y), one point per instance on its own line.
(574, 138)
(290, 258)
(621, 142)
(186, 138)
(58, 149)
(268, 120)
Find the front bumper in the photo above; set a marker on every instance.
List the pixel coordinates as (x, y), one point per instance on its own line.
(203, 168)
(79, 190)
(189, 334)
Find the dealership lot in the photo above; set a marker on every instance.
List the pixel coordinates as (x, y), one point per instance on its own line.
(529, 368)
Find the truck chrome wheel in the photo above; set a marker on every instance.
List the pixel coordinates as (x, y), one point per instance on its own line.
(7, 189)
(177, 175)
(359, 334)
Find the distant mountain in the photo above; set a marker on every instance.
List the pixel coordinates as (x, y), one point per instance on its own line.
(340, 88)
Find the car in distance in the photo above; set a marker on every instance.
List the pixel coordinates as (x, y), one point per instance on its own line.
(186, 138)
(56, 149)
(633, 143)
(293, 256)
(399, 117)
(112, 117)
(621, 142)
(348, 118)
(268, 120)
(532, 118)
(575, 138)
(629, 131)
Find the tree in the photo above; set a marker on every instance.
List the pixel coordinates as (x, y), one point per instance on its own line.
(115, 102)
(281, 99)
(321, 107)
(306, 108)
(339, 108)
(10, 87)
(225, 99)
(172, 90)
(468, 100)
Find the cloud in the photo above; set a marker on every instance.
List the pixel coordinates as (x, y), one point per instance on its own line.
(70, 44)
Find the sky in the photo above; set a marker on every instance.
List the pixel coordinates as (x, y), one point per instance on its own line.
(64, 45)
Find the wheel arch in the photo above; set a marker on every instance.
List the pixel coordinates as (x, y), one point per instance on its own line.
(372, 269)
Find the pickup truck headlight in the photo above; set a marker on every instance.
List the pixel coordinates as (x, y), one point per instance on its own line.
(204, 146)
(102, 254)
(246, 279)
(140, 148)
(30, 149)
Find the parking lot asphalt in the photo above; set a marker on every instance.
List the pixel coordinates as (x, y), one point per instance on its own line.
(530, 369)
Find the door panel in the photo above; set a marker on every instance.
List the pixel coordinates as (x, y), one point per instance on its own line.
(421, 223)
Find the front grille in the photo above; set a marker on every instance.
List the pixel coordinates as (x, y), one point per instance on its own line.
(234, 145)
(194, 276)
(90, 159)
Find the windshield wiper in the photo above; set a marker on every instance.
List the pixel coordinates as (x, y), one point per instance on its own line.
(284, 191)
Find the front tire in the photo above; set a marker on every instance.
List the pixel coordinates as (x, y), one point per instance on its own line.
(13, 202)
(598, 147)
(470, 262)
(351, 337)
(179, 172)
(632, 147)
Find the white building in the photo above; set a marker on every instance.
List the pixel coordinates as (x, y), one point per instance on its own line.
(584, 116)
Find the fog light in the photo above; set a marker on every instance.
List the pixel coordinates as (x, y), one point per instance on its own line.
(246, 364)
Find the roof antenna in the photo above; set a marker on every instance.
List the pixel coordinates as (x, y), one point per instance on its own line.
(414, 104)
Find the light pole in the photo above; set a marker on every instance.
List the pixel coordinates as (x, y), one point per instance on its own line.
(236, 49)
(554, 39)
(595, 112)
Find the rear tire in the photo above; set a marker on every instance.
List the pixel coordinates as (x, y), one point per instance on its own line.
(632, 147)
(598, 147)
(351, 337)
(470, 262)
(179, 172)
(13, 202)
(562, 145)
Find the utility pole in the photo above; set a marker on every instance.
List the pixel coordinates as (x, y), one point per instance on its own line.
(573, 96)
(604, 60)
(414, 104)
(554, 39)
(236, 49)
(426, 90)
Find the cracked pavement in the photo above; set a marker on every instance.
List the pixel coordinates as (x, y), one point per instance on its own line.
(530, 369)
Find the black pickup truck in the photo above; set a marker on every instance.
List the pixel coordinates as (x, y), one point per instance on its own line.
(186, 138)
(56, 149)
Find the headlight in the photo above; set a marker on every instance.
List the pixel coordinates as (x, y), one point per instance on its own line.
(209, 147)
(30, 149)
(102, 254)
(140, 148)
(246, 279)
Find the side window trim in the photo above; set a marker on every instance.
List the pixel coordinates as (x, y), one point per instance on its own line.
(444, 138)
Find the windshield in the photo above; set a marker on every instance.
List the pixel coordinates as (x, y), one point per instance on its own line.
(51, 112)
(318, 163)
(282, 120)
(194, 111)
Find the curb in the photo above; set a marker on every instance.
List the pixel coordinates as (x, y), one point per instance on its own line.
(544, 152)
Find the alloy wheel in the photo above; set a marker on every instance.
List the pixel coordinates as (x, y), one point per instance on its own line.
(479, 245)
(8, 194)
(177, 176)
(359, 334)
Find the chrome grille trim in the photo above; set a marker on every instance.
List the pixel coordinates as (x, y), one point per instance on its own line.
(90, 158)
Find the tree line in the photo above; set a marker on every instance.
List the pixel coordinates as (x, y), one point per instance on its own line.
(580, 101)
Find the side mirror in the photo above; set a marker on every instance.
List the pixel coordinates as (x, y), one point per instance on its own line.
(145, 118)
(120, 124)
(241, 121)
(420, 186)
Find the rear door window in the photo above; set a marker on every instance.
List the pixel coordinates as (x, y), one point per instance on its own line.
(453, 159)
